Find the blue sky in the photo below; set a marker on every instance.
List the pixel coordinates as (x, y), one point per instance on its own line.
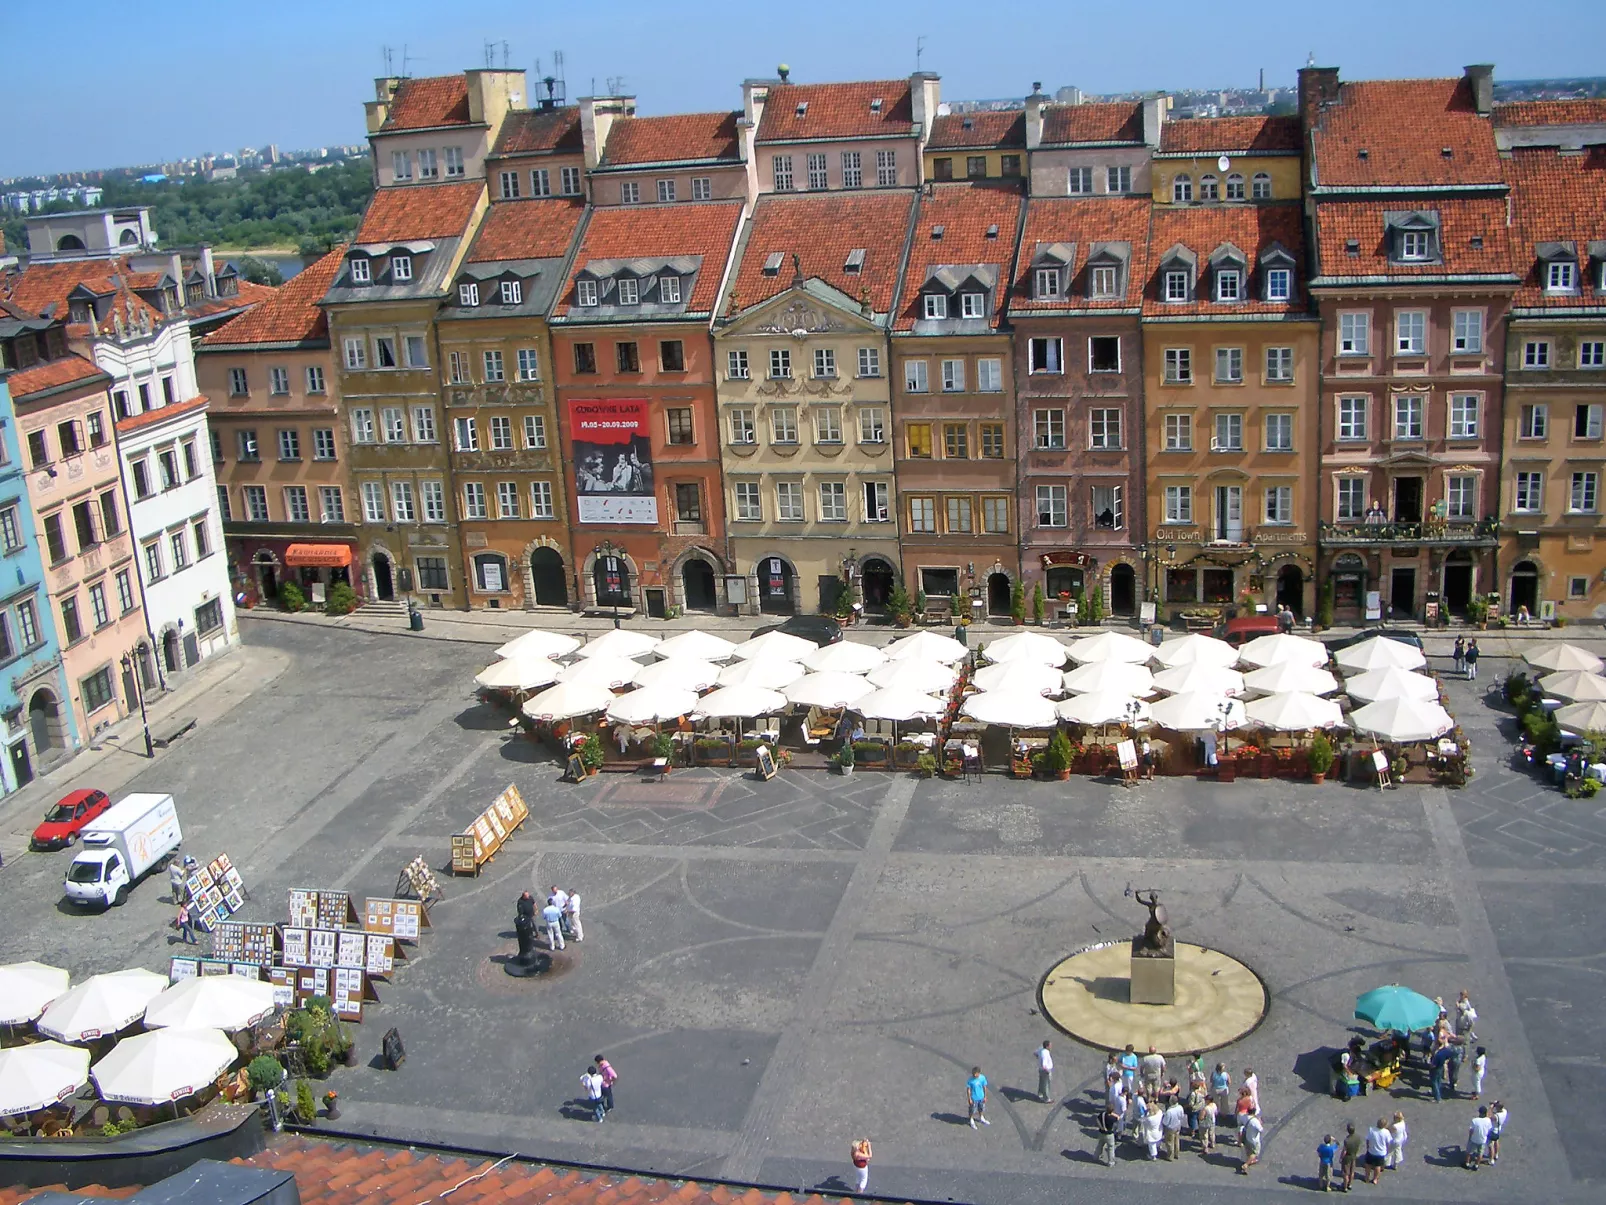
(171, 78)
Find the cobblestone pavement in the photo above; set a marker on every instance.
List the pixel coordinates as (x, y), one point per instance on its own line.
(776, 968)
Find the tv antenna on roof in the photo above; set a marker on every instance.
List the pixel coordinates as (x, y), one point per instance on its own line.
(385, 52)
(490, 53)
(407, 71)
(920, 49)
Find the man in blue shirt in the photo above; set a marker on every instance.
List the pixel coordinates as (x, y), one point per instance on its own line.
(1326, 1152)
(552, 918)
(976, 1086)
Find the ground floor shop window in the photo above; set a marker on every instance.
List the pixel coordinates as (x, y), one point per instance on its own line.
(431, 573)
(941, 582)
(1217, 585)
(97, 690)
(612, 577)
(490, 573)
(1181, 585)
(209, 616)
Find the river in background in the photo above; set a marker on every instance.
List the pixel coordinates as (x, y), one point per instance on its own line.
(288, 263)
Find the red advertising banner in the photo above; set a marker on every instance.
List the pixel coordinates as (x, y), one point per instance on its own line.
(613, 461)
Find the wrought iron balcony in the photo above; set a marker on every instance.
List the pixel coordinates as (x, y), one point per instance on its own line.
(1460, 533)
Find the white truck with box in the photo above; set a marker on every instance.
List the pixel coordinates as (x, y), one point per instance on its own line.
(130, 838)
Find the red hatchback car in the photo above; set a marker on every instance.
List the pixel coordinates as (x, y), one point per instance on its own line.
(63, 822)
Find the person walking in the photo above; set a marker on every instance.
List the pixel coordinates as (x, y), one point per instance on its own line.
(1397, 1137)
(1045, 1071)
(859, 1153)
(976, 1090)
(1152, 1069)
(1207, 1126)
(552, 918)
(592, 1083)
(1465, 1016)
(571, 916)
(1243, 1111)
(1349, 1155)
(1326, 1152)
(1480, 1068)
(1377, 1150)
(1194, 1106)
(1438, 1062)
(1497, 1118)
(175, 880)
(609, 1078)
(1478, 1139)
(186, 923)
(1472, 658)
(1171, 1122)
(1109, 1130)
(1252, 1086)
(1152, 1130)
(1253, 1129)
(1460, 654)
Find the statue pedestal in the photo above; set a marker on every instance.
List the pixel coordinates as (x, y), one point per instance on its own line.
(1154, 973)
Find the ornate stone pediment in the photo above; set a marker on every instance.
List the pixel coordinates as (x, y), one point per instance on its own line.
(800, 318)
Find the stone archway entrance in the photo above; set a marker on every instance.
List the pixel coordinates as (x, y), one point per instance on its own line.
(44, 722)
(1525, 587)
(267, 572)
(1123, 589)
(1291, 589)
(384, 584)
(998, 590)
(875, 580)
(775, 587)
(170, 651)
(697, 585)
(549, 578)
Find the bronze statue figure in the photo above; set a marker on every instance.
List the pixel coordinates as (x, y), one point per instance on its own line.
(1157, 932)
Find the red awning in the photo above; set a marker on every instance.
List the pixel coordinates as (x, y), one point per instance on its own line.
(318, 556)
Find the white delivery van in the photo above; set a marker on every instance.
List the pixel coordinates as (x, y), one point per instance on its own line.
(132, 836)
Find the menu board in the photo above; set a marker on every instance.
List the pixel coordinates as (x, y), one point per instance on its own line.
(402, 919)
(237, 941)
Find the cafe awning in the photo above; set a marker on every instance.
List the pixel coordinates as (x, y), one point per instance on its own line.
(318, 556)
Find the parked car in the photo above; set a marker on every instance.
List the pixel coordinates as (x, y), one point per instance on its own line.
(1239, 632)
(822, 629)
(1404, 637)
(67, 818)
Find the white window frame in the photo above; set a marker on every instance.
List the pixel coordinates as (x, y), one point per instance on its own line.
(1409, 416)
(1178, 432)
(1347, 410)
(1465, 410)
(869, 361)
(749, 502)
(534, 432)
(1583, 496)
(1279, 505)
(1410, 332)
(1536, 355)
(1466, 332)
(872, 425)
(1528, 492)
(1178, 504)
(1279, 432)
(1355, 333)
(1051, 361)
(1053, 506)
(953, 376)
(989, 375)
(541, 503)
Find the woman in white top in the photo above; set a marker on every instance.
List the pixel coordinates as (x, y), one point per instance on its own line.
(1397, 1137)
(1480, 1066)
(1151, 1130)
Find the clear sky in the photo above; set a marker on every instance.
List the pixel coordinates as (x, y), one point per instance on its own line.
(93, 84)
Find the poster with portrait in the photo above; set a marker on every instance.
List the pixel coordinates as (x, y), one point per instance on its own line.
(613, 460)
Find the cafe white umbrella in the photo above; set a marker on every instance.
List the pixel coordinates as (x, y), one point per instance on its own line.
(739, 702)
(211, 1002)
(522, 671)
(567, 700)
(1270, 650)
(678, 671)
(1391, 683)
(652, 705)
(1117, 677)
(1021, 677)
(539, 643)
(926, 677)
(26, 988)
(1288, 676)
(1198, 711)
(764, 673)
(1185, 650)
(1582, 717)
(1199, 678)
(1402, 719)
(827, 690)
(1557, 657)
(1379, 653)
(845, 657)
(927, 646)
(1025, 646)
(163, 1065)
(696, 645)
(101, 1005)
(1105, 707)
(1110, 646)
(1576, 685)
(614, 673)
(774, 646)
(1293, 711)
(619, 643)
(45, 1073)
(899, 703)
(1010, 709)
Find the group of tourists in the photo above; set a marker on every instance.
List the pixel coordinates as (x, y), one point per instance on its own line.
(1143, 1101)
(560, 915)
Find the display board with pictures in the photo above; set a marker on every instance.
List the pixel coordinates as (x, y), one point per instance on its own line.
(312, 909)
(238, 941)
(179, 969)
(347, 988)
(376, 953)
(465, 854)
(216, 892)
(488, 832)
(403, 920)
(418, 880)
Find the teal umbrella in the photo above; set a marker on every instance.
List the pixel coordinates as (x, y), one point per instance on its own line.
(1395, 1007)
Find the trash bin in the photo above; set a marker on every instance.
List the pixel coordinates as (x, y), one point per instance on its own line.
(415, 620)
(959, 634)
(1156, 635)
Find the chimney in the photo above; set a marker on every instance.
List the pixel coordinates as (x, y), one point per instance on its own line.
(1153, 118)
(1318, 86)
(1034, 116)
(376, 110)
(925, 92)
(1480, 77)
(597, 115)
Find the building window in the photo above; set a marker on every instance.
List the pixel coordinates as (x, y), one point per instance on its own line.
(512, 292)
(490, 573)
(815, 166)
(10, 530)
(331, 505)
(1261, 186)
(975, 167)
(956, 441)
(1181, 189)
(1560, 277)
(1352, 417)
(1578, 587)
(1045, 356)
(507, 499)
(1279, 364)
(1280, 504)
(1587, 420)
(1118, 179)
(781, 170)
(1179, 504)
(83, 515)
(1536, 353)
(742, 427)
(1461, 497)
(1179, 433)
(295, 503)
(401, 502)
(238, 386)
(540, 182)
(1467, 331)
(1046, 283)
(973, 305)
(736, 366)
(246, 440)
(627, 356)
(886, 169)
(501, 433)
(465, 435)
(828, 425)
(38, 449)
(943, 169)
(1178, 285)
(361, 270)
(688, 502)
(434, 494)
(1354, 334)
(666, 190)
(585, 292)
(1209, 189)
(1051, 506)
(432, 569)
(474, 500)
(385, 352)
(1229, 435)
(877, 508)
(780, 363)
(1351, 499)
(1414, 244)
(1592, 354)
(995, 515)
(1410, 332)
(1408, 416)
(1235, 187)
(1049, 426)
(953, 376)
(1105, 283)
(1104, 353)
(789, 501)
(1279, 284)
(1104, 429)
(989, 375)
(393, 424)
(28, 618)
(872, 425)
(824, 362)
(1081, 180)
(1533, 421)
(142, 478)
(401, 267)
(629, 193)
(423, 430)
(1178, 366)
(783, 425)
(1107, 512)
(569, 181)
(749, 508)
(1229, 284)
(71, 627)
(702, 188)
(373, 502)
(1529, 498)
(585, 359)
(852, 171)
(1229, 365)
(923, 516)
(869, 361)
(256, 503)
(1279, 433)
(289, 444)
(1464, 415)
(959, 514)
(534, 431)
(914, 376)
(1585, 493)
(669, 290)
(679, 421)
(936, 305)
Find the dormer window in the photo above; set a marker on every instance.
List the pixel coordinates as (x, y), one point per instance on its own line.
(802, 108)
(1560, 277)
(936, 305)
(585, 292)
(973, 305)
(1276, 273)
(875, 105)
(1104, 283)
(361, 273)
(512, 292)
(401, 267)
(1414, 244)
(468, 294)
(629, 291)
(669, 290)
(1181, 188)
(1046, 283)
(1279, 284)
(772, 263)
(1178, 285)
(1229, 284)
(855, 260)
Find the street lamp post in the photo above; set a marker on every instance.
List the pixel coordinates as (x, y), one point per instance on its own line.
(139, 693)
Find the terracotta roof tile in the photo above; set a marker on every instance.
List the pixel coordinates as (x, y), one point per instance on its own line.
(52, 375)
(420, 211)
(1005, 129)
(1083, 221)
(705, 228)
(1551, 112)
(160, 414)
(1118, 122)
(1210, 135)
(540, 131)
(821, 229)
(41, 286)
(1403, 128)
(1474, 237)
(421, 104)
(291, 315)
(965, 212)
(146, 280)
(1252, 229)
(533, 229)
(837, 111)
(15, 1196)
(676, 139)
(1557, 198)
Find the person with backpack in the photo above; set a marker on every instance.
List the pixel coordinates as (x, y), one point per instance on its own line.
(1109, 1124)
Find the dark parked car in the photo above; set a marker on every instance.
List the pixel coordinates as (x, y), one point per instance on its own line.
(822, 629)
(67, 818)
(1410, 638)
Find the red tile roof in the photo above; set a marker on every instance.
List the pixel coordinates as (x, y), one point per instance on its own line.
(1005, 130)
(1083, 221)
(821, 230)
(51, 375)
(1119, 122)
(40, 286)
(540, 131)
(1404, 128)
(292, 315)
(421, 104)
(15, 1196)
(420, 211)
(1253, 229)
(1237, 135)
(965, 212)
(1551, 113)
(535, 229)
(642, 140)
(1556, 198)
(1465, 223)
(705, 228)
(149, 418)
(837, 111)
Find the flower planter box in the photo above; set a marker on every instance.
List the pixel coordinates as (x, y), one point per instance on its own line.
(1226, 771)
(907, 757)
(711, 754)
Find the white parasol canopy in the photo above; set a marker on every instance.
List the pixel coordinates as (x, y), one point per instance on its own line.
(614, 673)
(678, 671)
(1287, 676)
(46, 1073)
(1270, 650)
(619, 643)
(1198, 677)
(213, 1002)
(762, 672)
(898, 703)
(696, 645)
(1116, 677)
(1022, 677)
(827, 690)
(845, 657)
(539, 643)
(774, 646)
(101, 1005)
(1400, 719)
(739, 702)
(1111, 646)
(1025, 646)
(1576, 685)
(163, 1065)
(927, 646)
(1185, 650)
(1582, 717)
(1197, 712)
(652, 705)
(1010, 709)
(1293, 711)
(1390, 683)
(1556, 657)
(521, 671)
(926, 677)
(567, 700)
(1105, 707)
(25, 989)
(1379, 653)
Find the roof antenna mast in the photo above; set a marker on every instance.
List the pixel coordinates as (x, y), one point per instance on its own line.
(920, 49)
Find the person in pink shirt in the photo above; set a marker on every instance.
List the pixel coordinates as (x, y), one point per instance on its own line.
(609, 1077)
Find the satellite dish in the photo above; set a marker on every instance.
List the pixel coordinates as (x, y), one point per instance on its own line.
(1222, 163)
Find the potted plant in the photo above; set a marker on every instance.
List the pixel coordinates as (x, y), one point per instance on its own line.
(331, 1105)
(591, 753)
(747, 751)
(926, 764)
(872, 753)
(1057, 757)
(844, 760)
(900, 606)
(341, 600)
(1093, 613)
(264, 1074)
(920, 605)
(1324, 606)
(306, 1104)
(1017, 602)
(1319, 756)
(291, 597)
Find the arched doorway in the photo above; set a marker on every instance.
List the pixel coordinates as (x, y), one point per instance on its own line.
(1291, 589)
(1349, 582)
(998, 589)
(697, 585)
(384, 585)
(875, 580)
(1123, 589)
(775, 587)
(170, 654)
(1457, 581)
(610, 576)
(1525, 587)
(548, 576)
(44, 722)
